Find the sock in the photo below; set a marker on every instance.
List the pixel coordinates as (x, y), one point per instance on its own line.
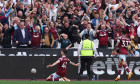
(51, 79)
(119, 70)
(126, 68)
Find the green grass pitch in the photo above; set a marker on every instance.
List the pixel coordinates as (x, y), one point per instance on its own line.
(72, 82)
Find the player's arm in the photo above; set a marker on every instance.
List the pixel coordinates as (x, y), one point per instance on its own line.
(51, 65)
(117, 44)
(72, 63)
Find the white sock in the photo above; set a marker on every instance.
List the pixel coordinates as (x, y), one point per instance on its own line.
(118, 75)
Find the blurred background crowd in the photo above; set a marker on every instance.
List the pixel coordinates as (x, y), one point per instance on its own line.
(63, 23)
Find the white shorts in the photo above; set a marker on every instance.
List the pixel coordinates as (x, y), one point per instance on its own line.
(122, 57)
(54, 75)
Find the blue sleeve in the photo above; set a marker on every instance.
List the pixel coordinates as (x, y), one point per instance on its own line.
(130, 55)
(8, 13)
(106, 18)
(42, 28)
(3, 9)
(136, 53)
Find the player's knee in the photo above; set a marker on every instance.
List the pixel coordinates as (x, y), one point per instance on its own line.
(123, 62)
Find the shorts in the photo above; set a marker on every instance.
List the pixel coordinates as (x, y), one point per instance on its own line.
(54, 75)
(122, 57)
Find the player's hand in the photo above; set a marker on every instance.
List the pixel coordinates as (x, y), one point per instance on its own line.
(113, 52)
(77, 64)
(16, 42)
(48, 66)
(29, 42)
(67, 48)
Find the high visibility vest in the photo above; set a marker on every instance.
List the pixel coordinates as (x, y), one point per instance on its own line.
(86, 48)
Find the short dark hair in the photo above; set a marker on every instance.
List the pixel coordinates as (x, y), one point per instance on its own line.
(65, 51)
(66, 22)
(86, 36)
(123, 31)
(5, 24)
(96, 13)
(132, 47)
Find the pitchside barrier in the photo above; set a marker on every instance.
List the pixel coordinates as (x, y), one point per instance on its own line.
(17, 64)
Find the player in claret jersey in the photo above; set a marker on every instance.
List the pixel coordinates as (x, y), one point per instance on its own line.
(62, 67)
(122, 44)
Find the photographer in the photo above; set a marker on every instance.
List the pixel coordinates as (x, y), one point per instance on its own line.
(133, 52)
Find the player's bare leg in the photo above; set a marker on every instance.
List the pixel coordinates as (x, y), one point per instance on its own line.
(127, 69)
(50, 77)
(66, 79)
(119, 71)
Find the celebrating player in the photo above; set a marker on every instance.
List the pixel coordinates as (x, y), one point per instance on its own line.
(122, 44)
(62, 66)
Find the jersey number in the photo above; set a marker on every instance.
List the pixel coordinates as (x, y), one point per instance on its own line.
(64, 64)
(125, 43)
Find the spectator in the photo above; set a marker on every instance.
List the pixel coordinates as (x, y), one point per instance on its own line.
(1, 3)
(59, 24)
(133, 52)
(128, 17)
(103, 35)
(113, 5)
(138, 30)
(22, 37)
(20, 15)
(129, 27)
(1, 35)
(30, 26)
(65, 19)
(71, 16)
(84, 25)
(47, 39)
(27, 2)
(135, 19)
(54, 32)
(52, 13)
(3, 15)
(109, 17)
(36, 37)
(134, 38)
(55, 3)
(67, 28)
(96, 20)
(89, 31)
(65, 42)
(6, 41)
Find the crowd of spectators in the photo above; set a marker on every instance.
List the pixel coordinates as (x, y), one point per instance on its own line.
(44, 23)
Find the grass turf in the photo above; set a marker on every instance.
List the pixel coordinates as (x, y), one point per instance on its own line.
(72, 82)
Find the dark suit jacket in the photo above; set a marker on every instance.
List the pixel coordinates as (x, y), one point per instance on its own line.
(19, 37)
